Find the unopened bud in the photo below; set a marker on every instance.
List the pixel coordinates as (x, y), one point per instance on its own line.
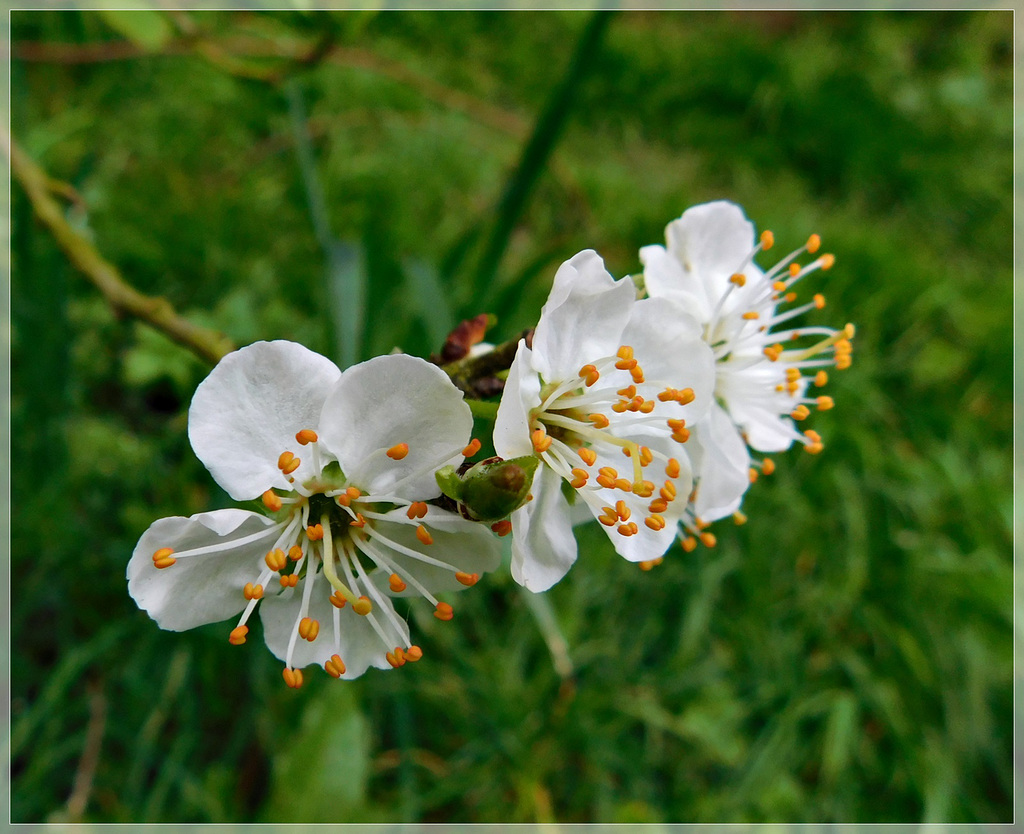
(491, 489)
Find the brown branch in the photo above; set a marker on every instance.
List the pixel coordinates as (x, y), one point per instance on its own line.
(90, 759)
(125, 299)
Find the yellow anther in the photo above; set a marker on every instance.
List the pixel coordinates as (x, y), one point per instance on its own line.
(637, 373)
(767, 466)
(792, 374)
(646, 455)
(767, 240)
(792, 388)
(284, 460)
(708, 539)
(467, 579)
(472, 448)
(812, 435)
(237, 635)
(579, 478)
(293, 677)
(751, 315)
(271, 500)
(502, 528)
(362, 606)
(658, 505)
(843, 362)
(779, 286)
(443, 611)
(752, 474)
(588, 456)
(813, 243)
(599, 420)
(417, 509)
(738, 278)
(643, 489)
(621, 510)
(589, 374)
(398, 451)
(423, 534)
(251, 591)
(849, 330)
(773, 352)
(627, 393)
(413, 653)
(819, 301)
(672, 468)
(334, 667)
(739, 518)
(825, 403)
(668, 492)
(276, 559)
(655, 522)
(608, 472)
(292, 466)
(358, 521)
(289, 580)
(315, 532)
(650, 563)
(395, 659)
(396, 584)
(309, 629)
(794, 270)
(295, 553)
(626, 529)
(163, 559)
(620, 407)
(800, 412)
(689, 544)
(821, 379)
(624, 352)
(541, 441)
(625, 364)
(623, 484)
(306, 436)
(789, 297)
(337, 600)
(827, 261)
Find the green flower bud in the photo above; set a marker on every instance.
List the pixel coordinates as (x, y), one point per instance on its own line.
(491, 489)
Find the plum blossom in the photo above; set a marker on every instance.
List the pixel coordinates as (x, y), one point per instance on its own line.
(603, 397)
(344, 464)
(763, 375)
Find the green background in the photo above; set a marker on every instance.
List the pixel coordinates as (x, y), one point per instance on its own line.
(357, 181)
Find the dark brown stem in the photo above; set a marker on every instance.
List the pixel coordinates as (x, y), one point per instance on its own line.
(472, 373)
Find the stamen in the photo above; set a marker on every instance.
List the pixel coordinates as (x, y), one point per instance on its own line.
(336, 599)
(276, 560)
(651, 563)
(689, 544)
(541, 441)
(827, 261)
(309, 629)
(358, 521)
(443, 611)
(163, 559)
(502, 528)
(767, 240)
(672, 469)
(599, 420)
(588, 456)
(295, 553)
(306, 436)
(417, 509)
(708, 539)
(472, 448)
(467, 579)
(413, 653)
(272, 501)
(362, 606)
(334, 667)
(579, 479)
(423, 534)
(293, 677)
(739, 279)
(292, 465)
(819, 301)
(237, 636)
(315, 532)
(768, 465)
(589, 374)
(285, 460)
(398, 451)
(825, 403)
(821, 379)
(289, 580)
(251, 591)
(801, 412)
(396, 584)
(739, 518)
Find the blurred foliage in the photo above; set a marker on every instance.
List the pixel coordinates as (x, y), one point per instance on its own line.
(844, 656)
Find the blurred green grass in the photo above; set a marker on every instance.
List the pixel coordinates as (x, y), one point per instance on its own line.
(844, 656)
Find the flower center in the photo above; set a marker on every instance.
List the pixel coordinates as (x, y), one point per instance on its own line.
(329, 528)
(583, 424)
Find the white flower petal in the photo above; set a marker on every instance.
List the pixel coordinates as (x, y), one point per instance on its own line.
(358, 644)
(248, 410)
(722, 465)
(582, 318)
(207, 587)
(390, 400)
(543, 546)
(521, 393)
(466, 546)
(711, 242)
(669, 345)
(664, 278)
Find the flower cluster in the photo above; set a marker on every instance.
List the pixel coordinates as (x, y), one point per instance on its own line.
(636, 404)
